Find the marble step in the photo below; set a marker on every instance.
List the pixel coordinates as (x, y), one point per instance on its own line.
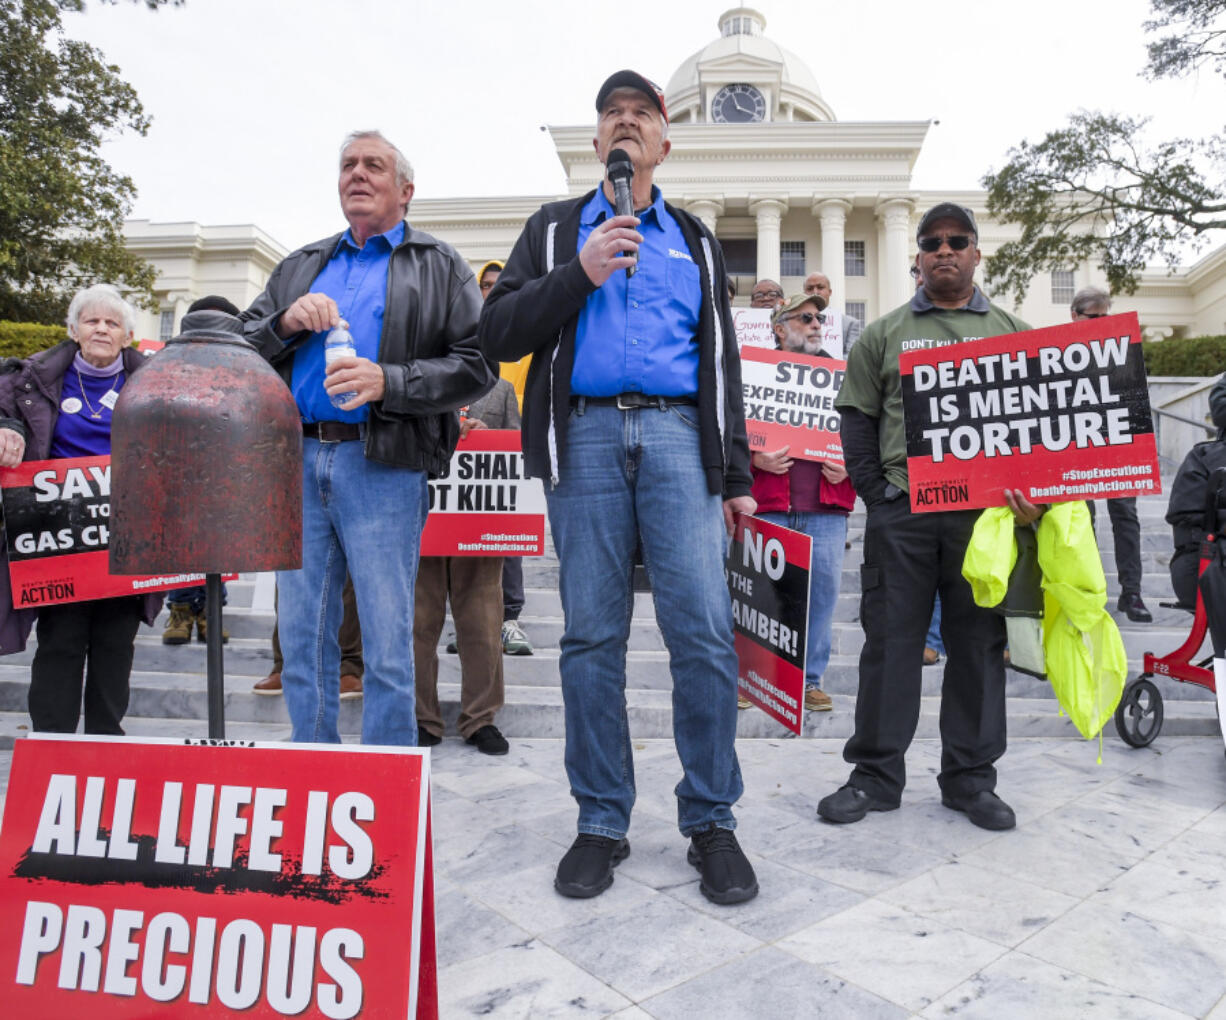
(15, 725)
(182, 696)
(532, 713)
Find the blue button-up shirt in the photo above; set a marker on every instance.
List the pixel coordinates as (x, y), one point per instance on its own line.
(356, 279)
(640, 334)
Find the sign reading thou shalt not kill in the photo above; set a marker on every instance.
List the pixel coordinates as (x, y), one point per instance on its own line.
(483, 504)
(1060, 413)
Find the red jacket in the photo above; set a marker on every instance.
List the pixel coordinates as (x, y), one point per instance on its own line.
(774, 494)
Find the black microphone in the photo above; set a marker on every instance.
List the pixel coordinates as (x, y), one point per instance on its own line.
(620, 170)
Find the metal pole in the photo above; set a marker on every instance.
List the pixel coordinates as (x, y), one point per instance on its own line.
(216, 673)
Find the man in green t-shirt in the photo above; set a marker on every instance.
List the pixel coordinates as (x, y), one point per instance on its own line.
(909, 557)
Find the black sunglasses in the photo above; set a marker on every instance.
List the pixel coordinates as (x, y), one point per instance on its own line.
(808, 318)
(956, 242)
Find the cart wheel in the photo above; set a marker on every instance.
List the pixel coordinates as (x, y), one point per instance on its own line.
(1139, 716)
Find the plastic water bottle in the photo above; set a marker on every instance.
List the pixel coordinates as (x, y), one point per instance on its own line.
(339, 344)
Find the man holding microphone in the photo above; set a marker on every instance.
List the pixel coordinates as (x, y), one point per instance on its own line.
(633, 417)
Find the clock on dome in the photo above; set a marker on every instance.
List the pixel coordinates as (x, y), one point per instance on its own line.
(738, 104)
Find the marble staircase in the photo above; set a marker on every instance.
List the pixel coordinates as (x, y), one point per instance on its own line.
(168, 683)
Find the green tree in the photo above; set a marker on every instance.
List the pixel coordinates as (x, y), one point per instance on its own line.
(1095, 190)
(62, 205)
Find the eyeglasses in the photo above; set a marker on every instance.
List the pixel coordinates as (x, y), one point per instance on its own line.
(1093, 315)
(767, 294)
(956, 242)
(808, 318)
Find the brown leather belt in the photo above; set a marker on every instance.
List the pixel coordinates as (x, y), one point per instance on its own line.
(333, 431)
(630, 401)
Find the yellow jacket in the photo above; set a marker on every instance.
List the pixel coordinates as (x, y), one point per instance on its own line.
(1086, 661)
(514, 372)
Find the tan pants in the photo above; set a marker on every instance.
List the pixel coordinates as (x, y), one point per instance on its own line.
(474, 584)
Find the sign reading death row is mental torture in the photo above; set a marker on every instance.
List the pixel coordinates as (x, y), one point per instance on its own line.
(143, 878)
(483, 504)
(789, 401)
(1059, 413)
(57, 529)
(767, 568)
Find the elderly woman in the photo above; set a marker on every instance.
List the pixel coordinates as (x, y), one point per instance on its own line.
(58, 404)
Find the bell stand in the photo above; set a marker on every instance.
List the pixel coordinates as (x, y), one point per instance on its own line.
(213, 657)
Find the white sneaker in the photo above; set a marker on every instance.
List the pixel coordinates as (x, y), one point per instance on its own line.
(514, 640)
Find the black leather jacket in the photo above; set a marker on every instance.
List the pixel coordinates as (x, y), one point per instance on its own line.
(428, 349)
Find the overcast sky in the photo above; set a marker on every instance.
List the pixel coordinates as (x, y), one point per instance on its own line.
(250, 98)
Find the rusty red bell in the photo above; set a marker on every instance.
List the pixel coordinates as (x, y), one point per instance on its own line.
(206, 462)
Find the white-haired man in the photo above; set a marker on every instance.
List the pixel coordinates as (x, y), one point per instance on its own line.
(411, 305)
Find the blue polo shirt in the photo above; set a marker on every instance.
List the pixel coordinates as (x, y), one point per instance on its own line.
(640, 335)
(356, 279)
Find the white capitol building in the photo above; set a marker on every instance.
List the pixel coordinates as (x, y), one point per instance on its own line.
(762, 159)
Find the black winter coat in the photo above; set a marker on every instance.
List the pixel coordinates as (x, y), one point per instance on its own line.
(428, 349)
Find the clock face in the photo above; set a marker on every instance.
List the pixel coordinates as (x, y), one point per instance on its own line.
(738, 104)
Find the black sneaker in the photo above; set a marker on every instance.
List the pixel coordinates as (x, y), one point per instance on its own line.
(488, 740)
(983, 808)
(727, 875)
(586, 869)
(1133, 607)
(427, 739)
(849, 804)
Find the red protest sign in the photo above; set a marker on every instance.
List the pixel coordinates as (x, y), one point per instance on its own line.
(1059, 413)
(483, 504)
(768, 576)
(57, 530)
(170, 878)
(789, 401)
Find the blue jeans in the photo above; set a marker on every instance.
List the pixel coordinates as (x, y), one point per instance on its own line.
(629, 476)
(829, 533)
(365, 517)
(933, 640)
(194, 597)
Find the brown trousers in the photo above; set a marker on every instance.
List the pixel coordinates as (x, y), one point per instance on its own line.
(474, 584)
(350, 636)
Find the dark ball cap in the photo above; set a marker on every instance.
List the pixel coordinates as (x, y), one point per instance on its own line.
(947, 211)
(632, 80)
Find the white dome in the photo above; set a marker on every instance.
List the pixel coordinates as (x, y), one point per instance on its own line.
(743, 53)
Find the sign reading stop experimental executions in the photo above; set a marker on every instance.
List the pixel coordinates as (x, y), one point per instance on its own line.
(155, 878)
(789, 401)
(1060, 413)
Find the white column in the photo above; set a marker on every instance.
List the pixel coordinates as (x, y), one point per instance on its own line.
(769, 214)
(709, 210)
(895, 287)
(832, 214)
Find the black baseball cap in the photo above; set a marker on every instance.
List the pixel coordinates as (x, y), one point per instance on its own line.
(947, 211)
(632, 80)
